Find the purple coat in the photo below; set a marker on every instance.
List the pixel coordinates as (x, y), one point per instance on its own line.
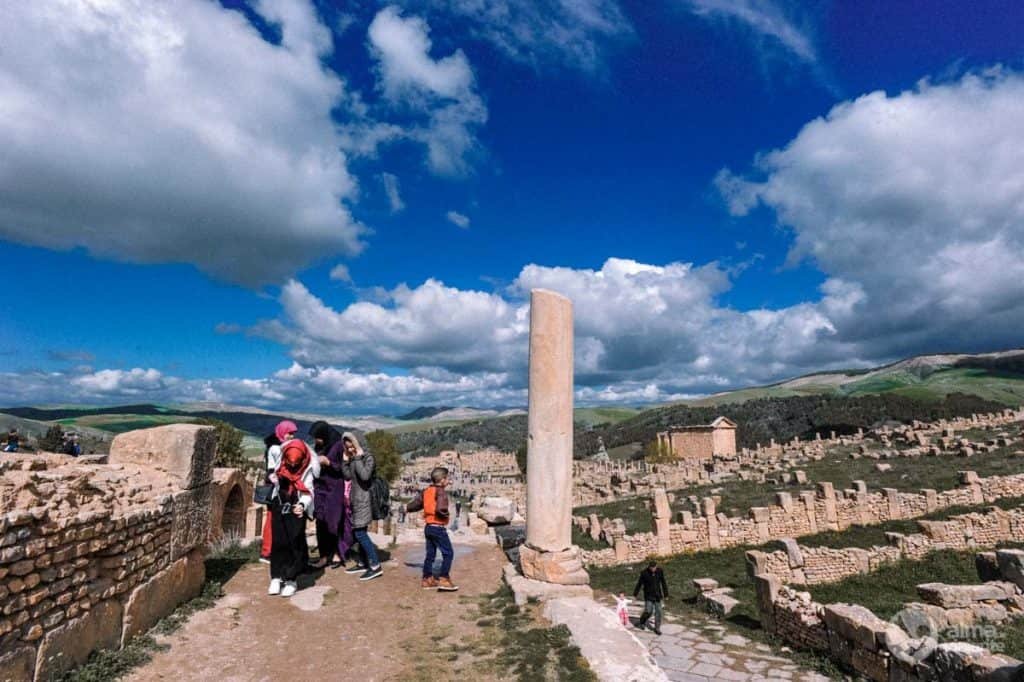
(329, 490)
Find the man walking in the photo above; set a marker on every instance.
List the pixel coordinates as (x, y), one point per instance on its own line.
(652, 580)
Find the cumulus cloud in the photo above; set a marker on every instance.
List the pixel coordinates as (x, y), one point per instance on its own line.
(576, 34)
(458, 219)
(204, 143)
(914, 201)
(643, 332)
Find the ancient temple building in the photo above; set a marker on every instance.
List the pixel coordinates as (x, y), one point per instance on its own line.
(700, 442)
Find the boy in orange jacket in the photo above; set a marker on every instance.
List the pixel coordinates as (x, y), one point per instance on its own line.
(434, 503)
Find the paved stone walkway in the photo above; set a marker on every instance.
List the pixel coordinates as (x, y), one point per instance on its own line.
(698, 649)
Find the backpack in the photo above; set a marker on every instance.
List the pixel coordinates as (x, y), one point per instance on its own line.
(380, 498)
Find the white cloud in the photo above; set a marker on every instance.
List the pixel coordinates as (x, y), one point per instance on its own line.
(155, 133)
(574, 34)
(913, 200)
(458, 219)
(765, 19)
(442, 90)
(637, 326)
(391, 188)
(340, 273)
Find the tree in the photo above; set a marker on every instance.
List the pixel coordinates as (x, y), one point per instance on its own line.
(384, 448)
(53, 441)
(229, 445)
(654, 452)
(521, 458)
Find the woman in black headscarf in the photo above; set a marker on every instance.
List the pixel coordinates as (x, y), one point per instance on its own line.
(328, 492)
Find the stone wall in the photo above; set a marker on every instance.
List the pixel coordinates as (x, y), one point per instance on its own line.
(875, 649)
(92, 555)
(799, 565)
(807, 513)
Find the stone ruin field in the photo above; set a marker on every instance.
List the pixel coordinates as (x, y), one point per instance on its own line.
(891, 554)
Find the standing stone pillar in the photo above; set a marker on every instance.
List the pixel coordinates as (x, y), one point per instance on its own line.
(549, 554)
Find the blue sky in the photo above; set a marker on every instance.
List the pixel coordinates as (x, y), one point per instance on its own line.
(341, 206)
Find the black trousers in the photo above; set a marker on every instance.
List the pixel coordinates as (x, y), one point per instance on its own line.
(288, 551)
(326, 541)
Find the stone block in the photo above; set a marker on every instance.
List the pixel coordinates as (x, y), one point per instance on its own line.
(510, 536)
(662, 510)
(525, 589)
(953, 660)
(720, 604)
(69, 645)
(563, 568)
(184, 451)
(496, 510)
(18, 664)
(855, 623)
(1011, 565)
(190, 524)
(961, 596)
(705, 584)
(162, 593)
(796, 557)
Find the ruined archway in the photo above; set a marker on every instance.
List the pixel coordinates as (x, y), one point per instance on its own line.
(232, 521)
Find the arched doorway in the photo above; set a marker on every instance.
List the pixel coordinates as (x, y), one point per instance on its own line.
(232, 522)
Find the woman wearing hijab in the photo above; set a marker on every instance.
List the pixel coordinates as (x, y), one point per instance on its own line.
(294, 480)
(359, 467)
(329, 493)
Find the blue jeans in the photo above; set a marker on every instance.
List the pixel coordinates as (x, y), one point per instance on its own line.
(366, 547)
(437, 539)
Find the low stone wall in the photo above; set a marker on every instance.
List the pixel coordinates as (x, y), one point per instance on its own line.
(92, 555)
(800, 565)
(809, 513)
(877, 650)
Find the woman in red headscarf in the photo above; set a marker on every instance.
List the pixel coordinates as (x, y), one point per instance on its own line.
(288, 517)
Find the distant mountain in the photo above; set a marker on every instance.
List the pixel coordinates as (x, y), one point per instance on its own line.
(995, 376)
(425, 412)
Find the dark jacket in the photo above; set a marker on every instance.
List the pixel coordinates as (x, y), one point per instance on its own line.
(360, 470)
(653, 583)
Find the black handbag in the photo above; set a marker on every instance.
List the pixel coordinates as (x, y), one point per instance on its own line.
(263, 494)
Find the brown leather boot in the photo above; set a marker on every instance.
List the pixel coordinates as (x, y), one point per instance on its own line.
(429, 583)
(445, 585)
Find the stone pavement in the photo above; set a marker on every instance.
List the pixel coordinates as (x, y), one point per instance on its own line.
(694, 648)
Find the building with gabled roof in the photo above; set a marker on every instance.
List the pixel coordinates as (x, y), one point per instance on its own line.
(700, 442)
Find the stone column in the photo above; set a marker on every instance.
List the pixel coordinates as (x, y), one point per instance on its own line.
(549, 554)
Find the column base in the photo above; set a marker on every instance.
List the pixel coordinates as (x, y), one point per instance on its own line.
(562, 568)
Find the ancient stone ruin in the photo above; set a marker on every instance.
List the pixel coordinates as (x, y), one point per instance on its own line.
(700, 442)
(92, 555)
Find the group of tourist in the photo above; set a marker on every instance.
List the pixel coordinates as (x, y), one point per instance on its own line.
(335, 484)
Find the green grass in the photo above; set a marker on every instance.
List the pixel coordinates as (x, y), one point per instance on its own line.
(104, 665)
(514, 643)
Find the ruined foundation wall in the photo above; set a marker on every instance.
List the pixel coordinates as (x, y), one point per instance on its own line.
(811, 512)
(92, 555)
(800, 565)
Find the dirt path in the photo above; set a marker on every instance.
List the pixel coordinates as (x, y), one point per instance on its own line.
(339, 628)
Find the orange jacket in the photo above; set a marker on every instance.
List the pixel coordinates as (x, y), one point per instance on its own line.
(435, 506)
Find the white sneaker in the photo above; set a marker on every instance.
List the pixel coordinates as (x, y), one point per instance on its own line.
(275, 586)
(289, 589)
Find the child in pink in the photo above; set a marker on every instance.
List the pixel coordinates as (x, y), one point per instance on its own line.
(622, 608)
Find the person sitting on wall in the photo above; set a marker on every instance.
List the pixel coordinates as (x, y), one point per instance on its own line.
(12, 441)
(71, 446)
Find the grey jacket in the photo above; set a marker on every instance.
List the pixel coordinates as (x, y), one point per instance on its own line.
(360, 470)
